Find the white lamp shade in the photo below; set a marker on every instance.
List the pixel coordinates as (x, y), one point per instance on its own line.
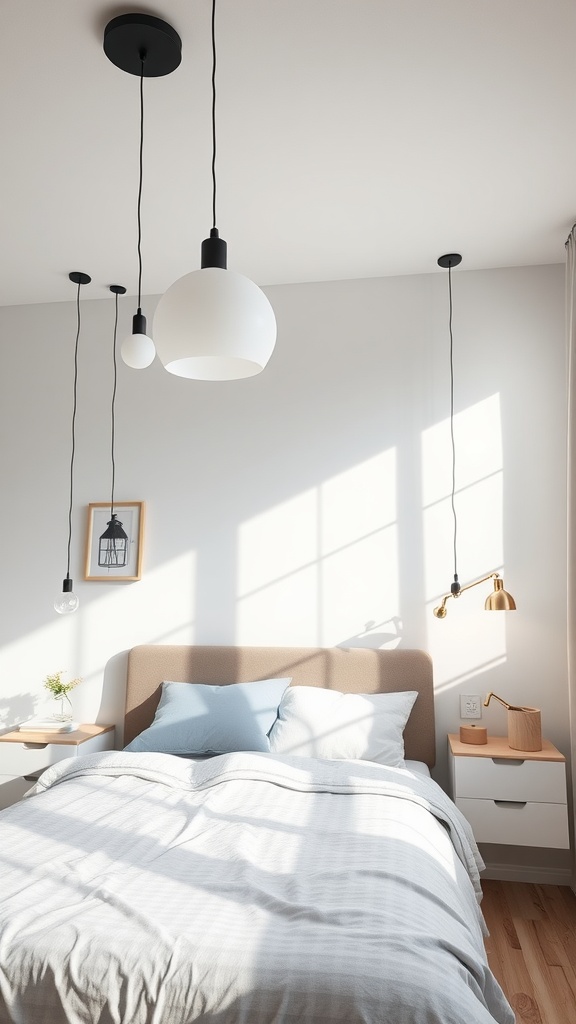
(138, 351)
(214, 324)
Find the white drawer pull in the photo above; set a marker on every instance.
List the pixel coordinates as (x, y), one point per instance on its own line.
(510, 803)
(34, 746)
(508, 760)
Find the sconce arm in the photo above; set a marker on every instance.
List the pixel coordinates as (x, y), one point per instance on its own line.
(440, 611)
(490, 576)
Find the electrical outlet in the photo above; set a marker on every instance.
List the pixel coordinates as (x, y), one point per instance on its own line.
(470, 705)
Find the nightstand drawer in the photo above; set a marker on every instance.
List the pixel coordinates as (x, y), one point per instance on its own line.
(23, 758)
(520, 824)
(510, 779)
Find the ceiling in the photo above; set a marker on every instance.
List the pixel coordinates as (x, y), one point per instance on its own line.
(356, 138)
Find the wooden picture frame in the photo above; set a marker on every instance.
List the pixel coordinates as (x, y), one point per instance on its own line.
(131, 515)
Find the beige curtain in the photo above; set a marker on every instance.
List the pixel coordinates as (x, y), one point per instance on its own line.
(571, 472)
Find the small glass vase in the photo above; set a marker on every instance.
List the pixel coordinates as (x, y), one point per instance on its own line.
(62, 709)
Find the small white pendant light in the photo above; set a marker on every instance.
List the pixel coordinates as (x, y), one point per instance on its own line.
(67, 601)
(213, 323)
(138, 349)
(150, 48)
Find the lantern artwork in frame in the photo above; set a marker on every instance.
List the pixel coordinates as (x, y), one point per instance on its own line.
(113, 545)
(114, 541)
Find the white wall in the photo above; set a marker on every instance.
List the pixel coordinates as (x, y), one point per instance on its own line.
(298, 506)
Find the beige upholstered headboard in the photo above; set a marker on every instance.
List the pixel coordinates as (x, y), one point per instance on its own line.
(353, 670)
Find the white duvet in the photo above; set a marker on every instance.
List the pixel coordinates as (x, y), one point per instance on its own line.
(246, 889)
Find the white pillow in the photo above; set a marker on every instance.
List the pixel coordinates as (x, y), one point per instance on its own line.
(315, 722)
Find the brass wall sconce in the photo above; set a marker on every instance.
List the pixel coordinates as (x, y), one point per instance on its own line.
(498, 601)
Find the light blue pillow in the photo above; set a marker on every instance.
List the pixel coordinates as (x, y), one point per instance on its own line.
(198, 719)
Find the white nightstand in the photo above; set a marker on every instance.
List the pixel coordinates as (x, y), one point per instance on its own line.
(25, 753)
(513, 797)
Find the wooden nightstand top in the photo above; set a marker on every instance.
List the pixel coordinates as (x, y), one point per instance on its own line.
(497, 746)
(84, 732)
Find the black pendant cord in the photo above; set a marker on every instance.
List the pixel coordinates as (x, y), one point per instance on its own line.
(141, 170)
(214, 248)
(213, 113)
(452, 423)
(74, 407)
(113, 418)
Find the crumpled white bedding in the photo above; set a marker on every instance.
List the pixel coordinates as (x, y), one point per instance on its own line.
(246, 889)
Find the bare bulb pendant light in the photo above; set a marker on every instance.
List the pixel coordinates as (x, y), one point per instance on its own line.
(213, 323)
(113, 544)
(150, 48)
(499, 599)
(67, 601)
(138, 349)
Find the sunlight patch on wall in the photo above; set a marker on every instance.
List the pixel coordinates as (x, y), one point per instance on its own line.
(24, 664)
(159, 608)
(469, 640)
(278, 543)
(357, 583)
(320, 566)
(478, 441)
(479, 541)
(358, 502)
(473, 643)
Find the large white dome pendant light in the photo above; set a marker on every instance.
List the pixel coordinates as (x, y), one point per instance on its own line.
(67, 601)
(150, 48)
(214, 324)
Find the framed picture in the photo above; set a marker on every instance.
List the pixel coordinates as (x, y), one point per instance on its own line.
(114, 541)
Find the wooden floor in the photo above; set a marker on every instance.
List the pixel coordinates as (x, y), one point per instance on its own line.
(532, 948)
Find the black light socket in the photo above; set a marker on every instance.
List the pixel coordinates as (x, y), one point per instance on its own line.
(214, 251)
(139, 323)
(67, 585)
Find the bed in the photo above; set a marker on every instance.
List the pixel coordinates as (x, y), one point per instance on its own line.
(300, 878)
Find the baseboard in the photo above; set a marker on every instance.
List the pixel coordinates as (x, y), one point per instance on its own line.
(525, 873)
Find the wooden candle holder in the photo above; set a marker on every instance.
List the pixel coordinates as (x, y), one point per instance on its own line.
(524, 726)
(524, 729)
